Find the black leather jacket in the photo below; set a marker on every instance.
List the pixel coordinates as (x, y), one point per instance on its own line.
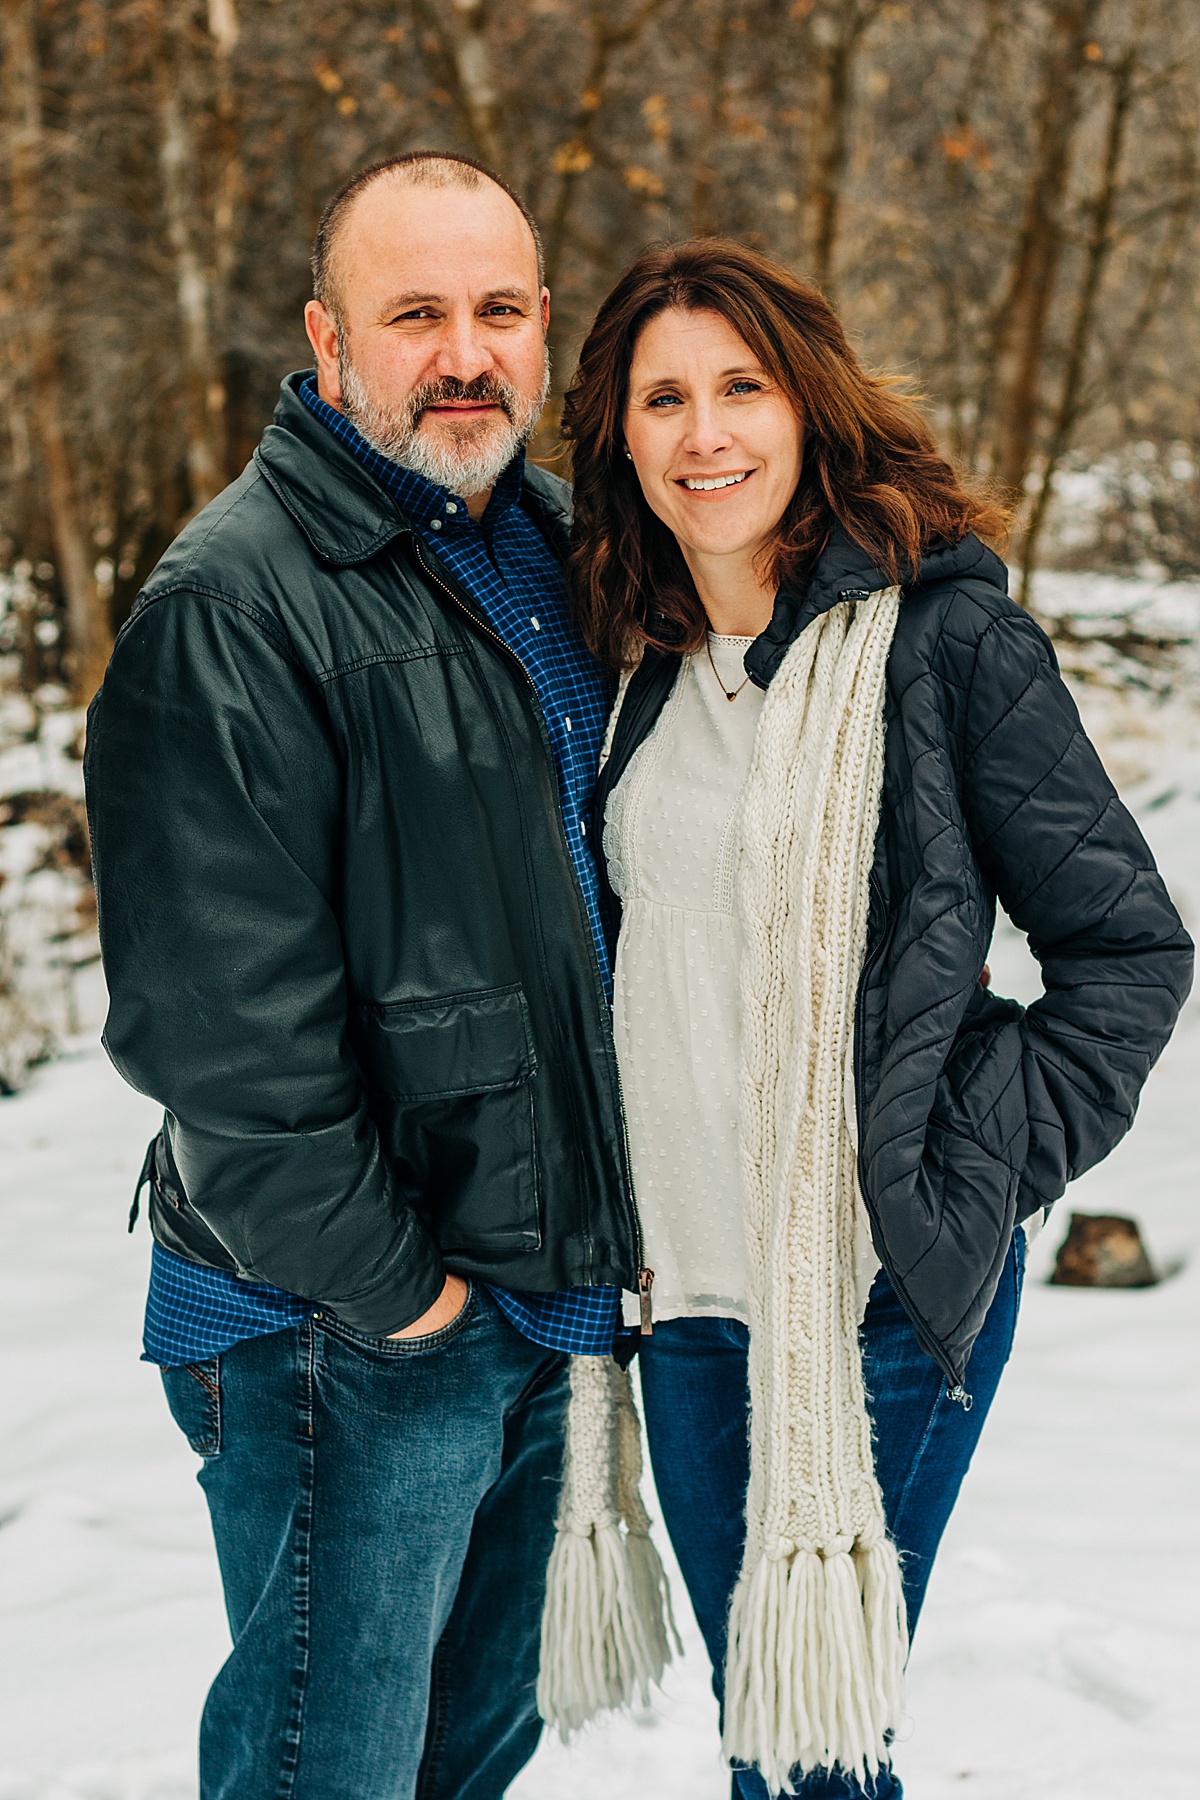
(344, 942)
(973, 1112)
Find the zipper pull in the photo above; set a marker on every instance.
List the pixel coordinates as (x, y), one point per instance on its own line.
(645, 1283)
(960, 1396)
(146, 1175)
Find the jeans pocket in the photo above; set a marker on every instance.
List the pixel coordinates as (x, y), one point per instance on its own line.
(193, 1393)
(392, 1348)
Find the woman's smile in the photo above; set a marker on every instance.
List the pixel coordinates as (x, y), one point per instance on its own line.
(709, 484)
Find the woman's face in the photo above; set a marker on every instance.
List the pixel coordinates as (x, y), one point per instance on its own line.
(716, 445)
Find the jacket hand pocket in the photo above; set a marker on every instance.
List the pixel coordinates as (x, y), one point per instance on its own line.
(981, 1090)
(451, 1082)
(964, 1197)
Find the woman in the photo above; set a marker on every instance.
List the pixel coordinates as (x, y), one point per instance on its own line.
(837, 743)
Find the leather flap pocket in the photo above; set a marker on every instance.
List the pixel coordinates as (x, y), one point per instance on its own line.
(459, 1044)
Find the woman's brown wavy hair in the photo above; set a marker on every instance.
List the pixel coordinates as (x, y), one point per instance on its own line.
(870, 462)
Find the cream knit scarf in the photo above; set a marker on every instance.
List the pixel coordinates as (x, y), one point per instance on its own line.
(817, 1635)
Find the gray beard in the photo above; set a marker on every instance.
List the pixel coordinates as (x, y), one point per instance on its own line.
(469, 458)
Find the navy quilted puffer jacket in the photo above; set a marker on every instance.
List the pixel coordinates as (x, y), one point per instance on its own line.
(974, 1112)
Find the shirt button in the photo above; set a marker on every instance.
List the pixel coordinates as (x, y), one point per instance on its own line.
(583, 826)
(536, 623)
(435, 524)
(566, 722)
(451, 507)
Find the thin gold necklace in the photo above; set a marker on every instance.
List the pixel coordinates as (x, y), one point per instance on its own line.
(712, 665)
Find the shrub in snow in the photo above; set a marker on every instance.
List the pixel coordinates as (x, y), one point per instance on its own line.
(25, 1040)
(50, 986)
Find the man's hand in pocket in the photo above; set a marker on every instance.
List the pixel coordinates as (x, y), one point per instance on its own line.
(444, 1310)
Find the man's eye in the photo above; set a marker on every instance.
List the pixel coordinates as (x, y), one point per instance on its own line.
(500, 312)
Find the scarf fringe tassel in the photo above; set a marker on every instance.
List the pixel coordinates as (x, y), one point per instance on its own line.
(607, 1626)
(604, 1631)
(814, 1676)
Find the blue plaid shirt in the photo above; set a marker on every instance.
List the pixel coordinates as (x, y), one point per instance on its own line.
(506, 567)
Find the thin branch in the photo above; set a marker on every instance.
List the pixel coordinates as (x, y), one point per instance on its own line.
(1099, 250)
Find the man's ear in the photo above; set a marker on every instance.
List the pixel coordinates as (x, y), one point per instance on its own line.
(545, 309)
(323, 336)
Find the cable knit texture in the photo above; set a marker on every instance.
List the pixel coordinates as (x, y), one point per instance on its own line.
(817, 1635)
(608, 1611)
(817, 1631)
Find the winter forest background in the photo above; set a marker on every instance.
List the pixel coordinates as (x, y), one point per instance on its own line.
(1003, 196)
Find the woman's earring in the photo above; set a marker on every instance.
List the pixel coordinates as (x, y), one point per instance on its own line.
(629, 452)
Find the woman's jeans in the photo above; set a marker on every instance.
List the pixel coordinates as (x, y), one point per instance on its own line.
(696, 1400)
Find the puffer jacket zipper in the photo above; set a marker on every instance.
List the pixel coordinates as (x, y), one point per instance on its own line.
(924, 1336)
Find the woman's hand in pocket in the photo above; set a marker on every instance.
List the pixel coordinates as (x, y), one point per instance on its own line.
(443, 1312)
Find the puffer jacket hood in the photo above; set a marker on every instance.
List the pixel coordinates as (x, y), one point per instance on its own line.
(847, 572)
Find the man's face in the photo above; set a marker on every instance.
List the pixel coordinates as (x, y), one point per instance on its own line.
(440, 360)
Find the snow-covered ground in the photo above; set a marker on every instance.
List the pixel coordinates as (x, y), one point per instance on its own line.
(1058, 1657)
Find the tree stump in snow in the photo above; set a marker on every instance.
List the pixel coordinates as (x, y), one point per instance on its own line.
(1103, 1250)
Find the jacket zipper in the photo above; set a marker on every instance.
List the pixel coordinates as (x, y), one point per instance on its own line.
(645, 1277)
(955, 1390)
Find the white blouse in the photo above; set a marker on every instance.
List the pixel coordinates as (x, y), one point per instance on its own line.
(668, 838)
(670, 841)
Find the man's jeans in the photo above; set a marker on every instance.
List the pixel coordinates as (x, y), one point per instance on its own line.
(696, 1401)
(384, 1513)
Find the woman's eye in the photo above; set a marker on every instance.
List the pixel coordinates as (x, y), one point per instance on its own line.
(661, 400)
(746, 387)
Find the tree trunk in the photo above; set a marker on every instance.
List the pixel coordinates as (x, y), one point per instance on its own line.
(1018, 346)
(574, 158)
(178, 164)
(704, 182)
(88, 631)
(961, 392)
(224, 30)
(832, 135)
(460, 27)
(1097, 251)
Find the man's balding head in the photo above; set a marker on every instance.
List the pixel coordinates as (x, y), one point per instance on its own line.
(429, 318)
(419, 168)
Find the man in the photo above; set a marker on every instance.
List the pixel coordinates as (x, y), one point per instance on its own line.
(339, 777)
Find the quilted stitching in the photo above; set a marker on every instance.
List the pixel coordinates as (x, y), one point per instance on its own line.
(993, 791)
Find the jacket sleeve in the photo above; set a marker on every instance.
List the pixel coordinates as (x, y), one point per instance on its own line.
(1074, 873)
(215, 797)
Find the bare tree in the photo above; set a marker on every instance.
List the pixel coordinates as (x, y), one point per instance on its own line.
(1019, 337)
(1104, 230)
(201, 256)
(838, 33)
(459, 34)
(39, 334)
(1002, 193)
